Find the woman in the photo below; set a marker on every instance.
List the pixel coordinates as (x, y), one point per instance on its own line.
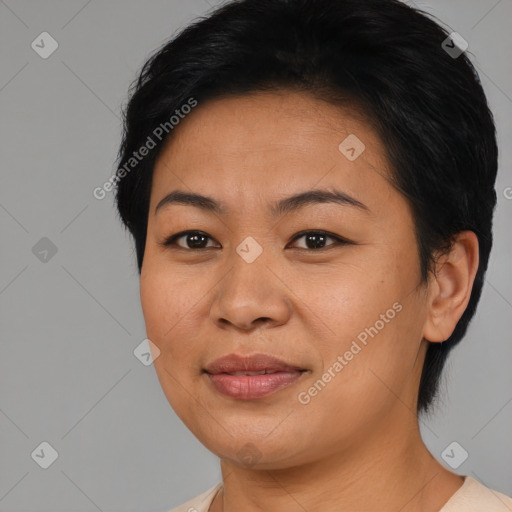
(310, 187)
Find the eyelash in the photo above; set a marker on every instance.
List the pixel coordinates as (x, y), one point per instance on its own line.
(171, 240)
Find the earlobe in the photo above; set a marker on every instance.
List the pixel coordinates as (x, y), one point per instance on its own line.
(450, 288)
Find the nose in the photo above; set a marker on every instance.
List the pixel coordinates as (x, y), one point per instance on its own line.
(251, 295)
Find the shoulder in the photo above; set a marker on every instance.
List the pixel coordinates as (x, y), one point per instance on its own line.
(200, 503)
(473, 496)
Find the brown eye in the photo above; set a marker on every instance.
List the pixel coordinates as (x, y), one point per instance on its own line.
(318, 239)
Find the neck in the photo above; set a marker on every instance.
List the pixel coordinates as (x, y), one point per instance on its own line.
(383, 470)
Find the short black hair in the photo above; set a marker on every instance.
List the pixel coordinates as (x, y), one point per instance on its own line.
(389, 60)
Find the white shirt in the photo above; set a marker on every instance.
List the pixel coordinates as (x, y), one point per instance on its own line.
(472, 496)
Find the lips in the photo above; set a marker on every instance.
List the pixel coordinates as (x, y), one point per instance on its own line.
(251, 377)
(255, 364)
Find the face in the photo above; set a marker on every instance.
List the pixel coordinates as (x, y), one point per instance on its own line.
(331, 288)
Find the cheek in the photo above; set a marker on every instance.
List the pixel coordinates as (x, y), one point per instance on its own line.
(346, 301)
(155, 307)
(361, 382)
(370, 317)
(168, 303)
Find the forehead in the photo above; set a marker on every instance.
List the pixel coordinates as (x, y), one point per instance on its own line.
(250, 147)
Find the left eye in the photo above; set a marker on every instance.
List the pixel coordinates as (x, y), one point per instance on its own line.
(317, 239)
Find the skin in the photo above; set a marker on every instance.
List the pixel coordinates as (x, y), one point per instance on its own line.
(356, 445)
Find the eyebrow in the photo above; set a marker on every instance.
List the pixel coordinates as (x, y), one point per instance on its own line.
(281, 207)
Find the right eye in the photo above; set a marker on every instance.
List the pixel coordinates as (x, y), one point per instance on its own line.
(194, 240)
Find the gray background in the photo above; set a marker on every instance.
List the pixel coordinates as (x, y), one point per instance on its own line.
(68, 375)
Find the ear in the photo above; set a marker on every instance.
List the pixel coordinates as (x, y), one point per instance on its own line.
(450, 287)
